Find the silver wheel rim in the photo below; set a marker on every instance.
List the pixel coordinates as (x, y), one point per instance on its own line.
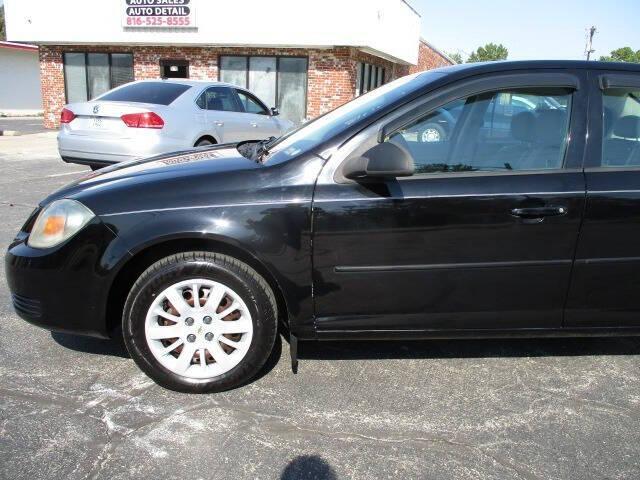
(198, 339)
(430, 135)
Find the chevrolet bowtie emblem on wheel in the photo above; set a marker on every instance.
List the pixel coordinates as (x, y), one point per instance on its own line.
(96, 108)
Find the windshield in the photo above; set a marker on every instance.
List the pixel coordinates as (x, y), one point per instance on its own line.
(314, 133)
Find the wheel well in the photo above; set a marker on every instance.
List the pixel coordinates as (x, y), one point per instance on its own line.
(130, 272)
(206, 137)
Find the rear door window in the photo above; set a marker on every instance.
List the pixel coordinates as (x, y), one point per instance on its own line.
(219, 99)
(621, 128)
(251, 104)
(158, 93)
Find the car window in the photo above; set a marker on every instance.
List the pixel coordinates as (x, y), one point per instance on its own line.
(250, 104)
(158, 93)
(218, 98)
(502, 130)
(621, 128)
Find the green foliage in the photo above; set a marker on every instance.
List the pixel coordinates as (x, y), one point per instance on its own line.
(624, 54)
(3, 32)
(489, 53)
(456, 57)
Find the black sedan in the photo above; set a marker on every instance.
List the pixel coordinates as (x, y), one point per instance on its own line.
(520, 222)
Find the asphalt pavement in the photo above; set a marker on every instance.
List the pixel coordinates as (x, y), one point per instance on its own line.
(22, 125)
(74, 407)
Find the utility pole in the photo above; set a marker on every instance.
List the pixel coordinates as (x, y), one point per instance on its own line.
(589, 48)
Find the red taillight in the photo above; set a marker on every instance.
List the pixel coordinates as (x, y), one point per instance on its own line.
(67, 116)
(143, 120)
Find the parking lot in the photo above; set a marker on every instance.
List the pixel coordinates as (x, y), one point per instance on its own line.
(73, 407)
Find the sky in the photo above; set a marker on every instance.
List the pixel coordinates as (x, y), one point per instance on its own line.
(530, 29)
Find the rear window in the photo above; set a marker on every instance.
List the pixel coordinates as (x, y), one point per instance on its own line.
(159, 93)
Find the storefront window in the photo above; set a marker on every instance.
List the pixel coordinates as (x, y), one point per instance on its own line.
(278, 81)
(89, 75)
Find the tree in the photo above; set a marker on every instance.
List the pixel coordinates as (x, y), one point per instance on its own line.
(3, 32)
(489, 53)
(624, 54)
(456, 57)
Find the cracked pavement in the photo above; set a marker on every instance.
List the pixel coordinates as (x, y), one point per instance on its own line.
(74, 407)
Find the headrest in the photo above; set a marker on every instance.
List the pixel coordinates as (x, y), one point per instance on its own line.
(523, 126)
(627, 127)
(551, 127)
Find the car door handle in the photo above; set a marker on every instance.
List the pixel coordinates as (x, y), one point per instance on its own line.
(254, 124)
(538, 212)
(219, 123)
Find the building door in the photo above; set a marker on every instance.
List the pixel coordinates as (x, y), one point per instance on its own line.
(174, 68)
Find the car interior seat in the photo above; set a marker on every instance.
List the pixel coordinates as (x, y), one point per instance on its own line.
(623, 149)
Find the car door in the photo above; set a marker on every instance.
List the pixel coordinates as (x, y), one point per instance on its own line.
(260, 123)
(605, 285)
(221, 110)
(482, 236)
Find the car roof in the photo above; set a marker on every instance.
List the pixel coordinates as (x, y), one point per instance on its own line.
(488, 67)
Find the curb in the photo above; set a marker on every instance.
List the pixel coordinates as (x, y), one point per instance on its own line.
(9, 133)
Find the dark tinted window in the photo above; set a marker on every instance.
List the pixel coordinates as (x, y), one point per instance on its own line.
(218, 98)
(505, 130)
(621, 128)
(159, 93)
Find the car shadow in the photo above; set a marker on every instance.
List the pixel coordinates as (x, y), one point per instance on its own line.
(396, 349)
(115, 347)
(468, 348)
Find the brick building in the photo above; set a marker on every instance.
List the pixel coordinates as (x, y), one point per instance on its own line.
(313, 61)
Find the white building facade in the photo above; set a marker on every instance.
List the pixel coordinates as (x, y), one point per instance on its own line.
(305, 57)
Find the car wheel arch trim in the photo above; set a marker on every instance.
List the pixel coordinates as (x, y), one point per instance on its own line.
(142, 256)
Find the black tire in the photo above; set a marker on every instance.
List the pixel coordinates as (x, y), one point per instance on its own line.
(204, 142)
(239, 276)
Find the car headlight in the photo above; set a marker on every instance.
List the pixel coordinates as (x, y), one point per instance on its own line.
(57, 222)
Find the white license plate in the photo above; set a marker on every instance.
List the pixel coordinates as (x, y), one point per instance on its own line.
(97, 122)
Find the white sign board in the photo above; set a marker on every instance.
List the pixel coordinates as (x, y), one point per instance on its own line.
(158, 14)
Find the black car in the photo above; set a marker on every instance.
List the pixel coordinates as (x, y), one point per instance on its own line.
(352, 227)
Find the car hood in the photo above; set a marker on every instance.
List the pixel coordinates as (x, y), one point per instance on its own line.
(166, 169)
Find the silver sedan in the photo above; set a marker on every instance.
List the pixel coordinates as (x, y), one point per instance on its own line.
(150, 117)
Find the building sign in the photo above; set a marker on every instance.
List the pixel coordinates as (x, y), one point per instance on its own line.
(158, 13)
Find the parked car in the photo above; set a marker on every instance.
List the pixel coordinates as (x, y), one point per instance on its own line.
(151, 117)
(347, 228)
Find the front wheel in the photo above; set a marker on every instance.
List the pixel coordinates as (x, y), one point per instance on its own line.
(200, 322)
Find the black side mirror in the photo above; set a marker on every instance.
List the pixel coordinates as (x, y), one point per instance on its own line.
(385, 160)
(275, 112)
